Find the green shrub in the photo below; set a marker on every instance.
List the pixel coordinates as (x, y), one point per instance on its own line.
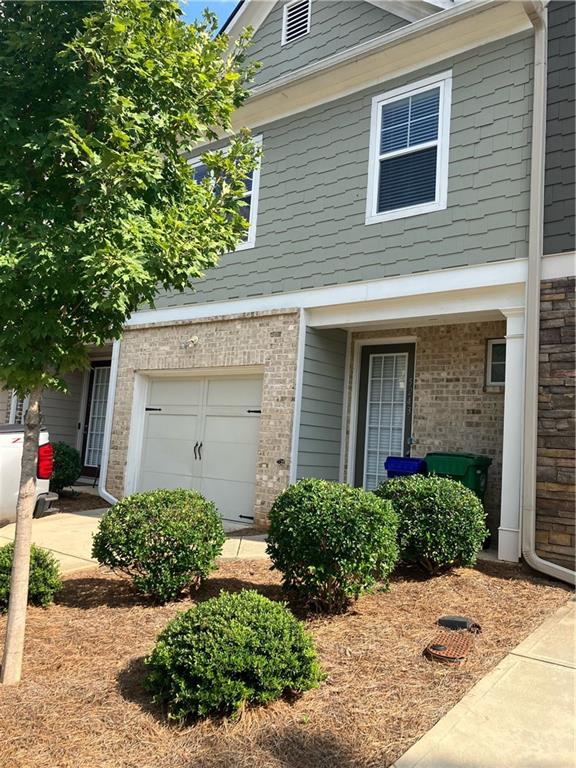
(45, 579)
(165, 540)
(331, 542)
(229, 651)
(441, 523)
(67, 466)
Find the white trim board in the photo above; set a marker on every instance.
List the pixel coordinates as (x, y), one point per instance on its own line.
(399, 52)
(497, 273)
(253, 13)
(296, 413)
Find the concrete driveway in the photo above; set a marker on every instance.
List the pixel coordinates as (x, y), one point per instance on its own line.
(69, 537)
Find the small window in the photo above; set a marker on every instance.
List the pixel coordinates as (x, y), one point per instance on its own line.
(296, 21)
(408, 172)
(250, 207)
(496, 363)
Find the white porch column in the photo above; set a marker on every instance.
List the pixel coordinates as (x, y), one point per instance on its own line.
(511, 499)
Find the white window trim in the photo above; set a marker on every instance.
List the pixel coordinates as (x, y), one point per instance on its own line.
(489, 382)
(285, 18)
(444, 80)
(250, 241)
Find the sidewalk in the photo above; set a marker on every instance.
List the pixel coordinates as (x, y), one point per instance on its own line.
(69, 536)
(521, 715)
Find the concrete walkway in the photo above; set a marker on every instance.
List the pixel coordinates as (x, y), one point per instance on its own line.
(521, 715)
(69, 537)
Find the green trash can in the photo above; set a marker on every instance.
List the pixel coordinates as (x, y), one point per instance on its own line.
(470, 469)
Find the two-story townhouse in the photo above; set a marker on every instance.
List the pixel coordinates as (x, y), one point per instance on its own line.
(404, 221)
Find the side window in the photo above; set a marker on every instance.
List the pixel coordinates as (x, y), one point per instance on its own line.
(250, 207)
(408, 171)
(496, 363)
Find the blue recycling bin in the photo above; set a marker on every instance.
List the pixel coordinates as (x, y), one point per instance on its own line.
(397, 466)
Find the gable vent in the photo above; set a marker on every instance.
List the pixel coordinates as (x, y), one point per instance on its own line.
(296, 22)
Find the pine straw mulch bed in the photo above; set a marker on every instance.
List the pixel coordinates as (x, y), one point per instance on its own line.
(81, 704)
(79, 502)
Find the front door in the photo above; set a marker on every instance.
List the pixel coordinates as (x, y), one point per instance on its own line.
(384, 410)
(95, 418)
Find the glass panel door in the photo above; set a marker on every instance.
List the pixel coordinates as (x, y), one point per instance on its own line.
(97, 417)
(385, 414)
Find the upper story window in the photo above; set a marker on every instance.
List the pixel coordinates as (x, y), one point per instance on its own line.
(249, 209)
(295, 21)
(408, 171)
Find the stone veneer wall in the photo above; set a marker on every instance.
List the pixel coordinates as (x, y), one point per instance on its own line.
(269, 340)
(453, 409)
(556, 483)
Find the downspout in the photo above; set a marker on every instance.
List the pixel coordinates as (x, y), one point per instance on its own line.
(538, 15)
(108, 425)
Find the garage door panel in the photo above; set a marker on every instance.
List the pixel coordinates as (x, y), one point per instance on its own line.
(231, 429)
(171, 456)
(151, 481)
(175, 392)
(234, 392)
(174, 427)
(228, 461)
(234, 500)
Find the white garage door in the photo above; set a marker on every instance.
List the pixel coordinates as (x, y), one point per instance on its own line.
(203, 434)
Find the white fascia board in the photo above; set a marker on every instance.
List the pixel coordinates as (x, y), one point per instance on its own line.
(458, 306)
(444, 281)
(253, 13)
(405, 9)
(441, 281)
(558, 265)
(446, 33)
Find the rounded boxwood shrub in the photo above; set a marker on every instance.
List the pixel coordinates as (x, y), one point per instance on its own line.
(165, 540)
(441, 523)
(67, 466)
(231, 650)
(45, 579)
(331, 542)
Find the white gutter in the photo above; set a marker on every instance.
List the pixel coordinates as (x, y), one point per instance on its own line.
(539, 17)
(108, 425)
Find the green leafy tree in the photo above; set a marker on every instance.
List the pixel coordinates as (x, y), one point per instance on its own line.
(99, 208)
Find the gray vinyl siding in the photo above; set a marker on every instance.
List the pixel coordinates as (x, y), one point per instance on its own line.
(334, 26)
(311, 229)
(321, 404)
(560, 188)
(61, 412)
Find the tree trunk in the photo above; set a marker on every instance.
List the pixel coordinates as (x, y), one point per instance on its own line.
(14, 642)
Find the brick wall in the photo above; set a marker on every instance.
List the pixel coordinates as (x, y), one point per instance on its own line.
(266, 340)
(555, 486)
(453, 409)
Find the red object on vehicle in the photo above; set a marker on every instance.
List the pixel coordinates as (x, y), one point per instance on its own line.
(45, 462)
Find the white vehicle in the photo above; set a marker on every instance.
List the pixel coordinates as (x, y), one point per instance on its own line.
(11, 440)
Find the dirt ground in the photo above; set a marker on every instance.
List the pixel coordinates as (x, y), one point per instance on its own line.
(82, 705)
(80, 502)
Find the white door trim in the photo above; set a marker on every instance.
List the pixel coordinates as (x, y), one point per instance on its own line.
(358, 345)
